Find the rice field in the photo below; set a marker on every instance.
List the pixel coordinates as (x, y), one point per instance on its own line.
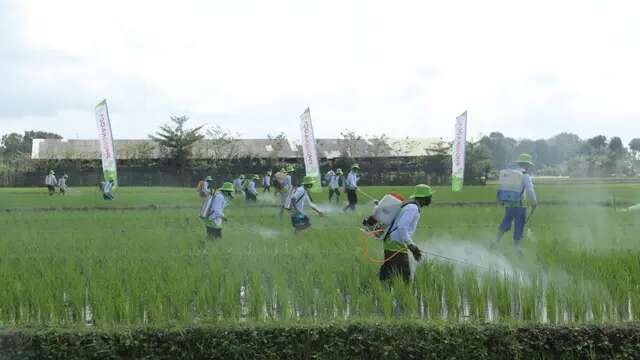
(143, 260)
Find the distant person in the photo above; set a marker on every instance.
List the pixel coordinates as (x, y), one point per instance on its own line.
(250, 193)
(399, 240)
(266, 182)
(51, 182)
(334, 181)
(106, 187)
(286, 190)
(327, 177)
(351, 187)
(62, 184)
(299, 198)
(204, 187)
(237, 185)
(213, 210)
(516, 193)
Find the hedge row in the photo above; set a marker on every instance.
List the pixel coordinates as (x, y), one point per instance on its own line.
(359, 341)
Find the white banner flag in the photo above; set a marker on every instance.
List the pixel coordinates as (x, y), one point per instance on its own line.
(458, 154)
(309, 150)
(106, 142)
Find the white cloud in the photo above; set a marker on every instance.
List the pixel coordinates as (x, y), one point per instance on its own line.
(404, 68)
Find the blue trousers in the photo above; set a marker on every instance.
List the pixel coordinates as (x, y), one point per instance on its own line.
(517, 216)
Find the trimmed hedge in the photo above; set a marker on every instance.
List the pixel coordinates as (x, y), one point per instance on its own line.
(337, 341)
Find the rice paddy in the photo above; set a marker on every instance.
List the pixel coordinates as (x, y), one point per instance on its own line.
(146, 261)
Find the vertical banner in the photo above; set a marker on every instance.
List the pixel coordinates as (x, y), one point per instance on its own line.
(458, 154)
(309, 150)
(106, 142)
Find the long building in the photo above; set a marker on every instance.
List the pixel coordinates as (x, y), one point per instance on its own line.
(226, 149)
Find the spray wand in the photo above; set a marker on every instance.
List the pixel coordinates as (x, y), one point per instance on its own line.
(367, 195)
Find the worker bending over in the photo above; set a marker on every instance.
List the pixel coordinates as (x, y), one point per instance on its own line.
(399, 240)
(106, 187)
(299, 198)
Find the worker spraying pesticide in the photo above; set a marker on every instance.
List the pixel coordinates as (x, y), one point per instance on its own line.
(237, 184)
(398, 236)
(106, 187)
(286, 191)
(351, 187)
(266, 182)
(250, 193)
(205, 188)
(334, 181)
(212, 211)
(62, 184)
(515, 193)
(299, 198)
(51, 182)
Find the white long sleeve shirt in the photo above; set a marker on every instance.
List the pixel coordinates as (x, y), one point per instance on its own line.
(287, 182)
(352, 181)
(216, 206)
(106, 187)
(405, 225)
(62, 183)
(50, 180)
(299, 198)
(251, 188)
(529, 191)
(333, 180)
(205, 187)
(237, 184)
(266, 181)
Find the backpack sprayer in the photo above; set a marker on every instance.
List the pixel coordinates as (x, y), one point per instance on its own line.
(381, 220)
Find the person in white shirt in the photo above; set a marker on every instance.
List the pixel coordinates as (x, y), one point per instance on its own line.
(213, 210)
(250, 193)
(106, 187)
(266, 182)
(351, 187)
(286, 190)
(399, 240)
(62, 184)
(237, 184)
(204, 188)
(517, 213)
(334, 180)
(51, 182)
(299, 198)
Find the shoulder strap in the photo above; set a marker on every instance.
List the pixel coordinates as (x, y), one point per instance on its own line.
(391, 229)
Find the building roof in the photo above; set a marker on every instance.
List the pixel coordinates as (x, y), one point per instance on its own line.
(264, 148)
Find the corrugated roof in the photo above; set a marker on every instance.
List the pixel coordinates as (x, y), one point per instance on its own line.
(327, 148)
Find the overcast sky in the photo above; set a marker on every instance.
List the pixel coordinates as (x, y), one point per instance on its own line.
(402, 68)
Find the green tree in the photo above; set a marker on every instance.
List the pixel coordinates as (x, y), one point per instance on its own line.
(501, 149)
(616, 148)
(634, 146)
(349, 143)
(477, 163)
(14, 144)
(177, 141)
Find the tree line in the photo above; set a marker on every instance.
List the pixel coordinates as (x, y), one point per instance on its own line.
(565, 154)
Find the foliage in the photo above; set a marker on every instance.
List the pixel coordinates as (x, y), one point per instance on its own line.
(14, 144)
(221, 144)
(177, 140)
(349, 142)
(403, 340)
